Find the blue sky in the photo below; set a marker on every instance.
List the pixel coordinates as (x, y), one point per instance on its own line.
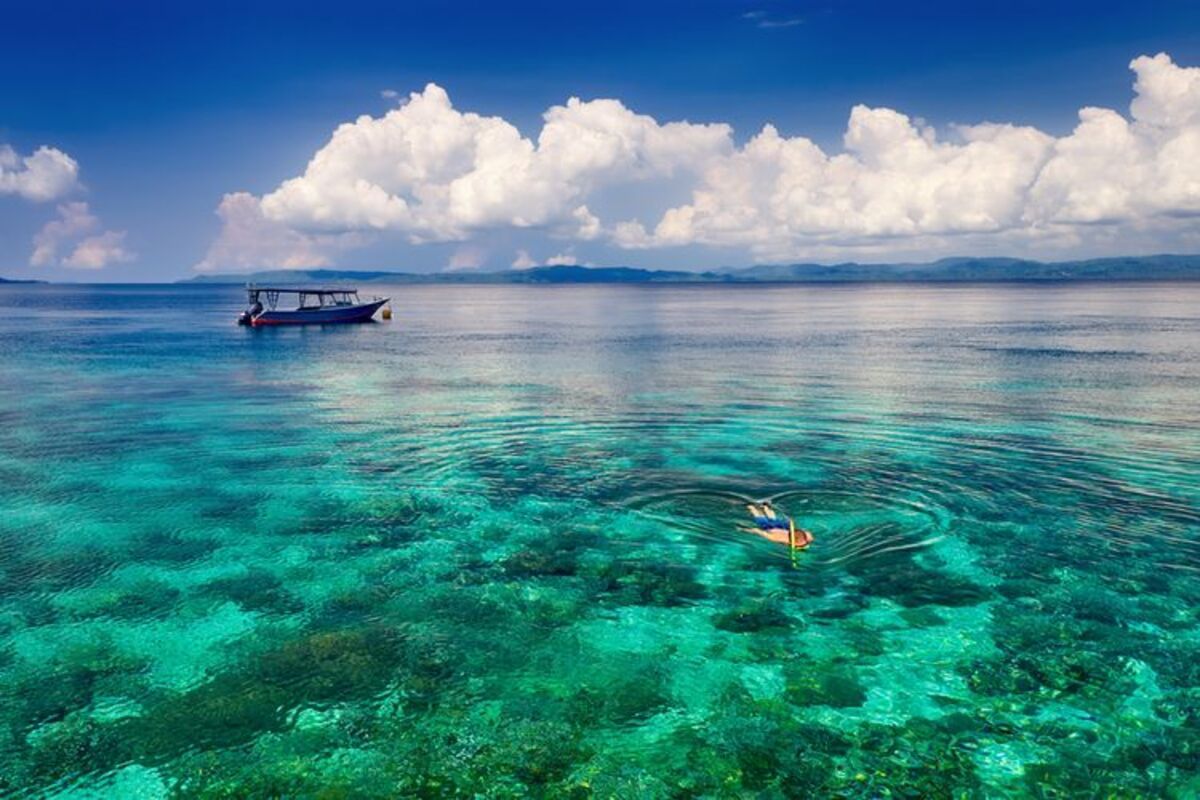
(164, 111)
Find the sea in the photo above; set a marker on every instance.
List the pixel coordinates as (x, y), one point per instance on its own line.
(497, 546)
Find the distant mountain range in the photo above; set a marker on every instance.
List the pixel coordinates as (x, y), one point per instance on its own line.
(1156, 268)
(557, 274)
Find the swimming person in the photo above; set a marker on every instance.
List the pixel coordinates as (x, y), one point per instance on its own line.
(777, 529)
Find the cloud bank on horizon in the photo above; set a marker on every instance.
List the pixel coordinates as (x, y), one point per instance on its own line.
(434, 173)
(46, 174)
(75, 239)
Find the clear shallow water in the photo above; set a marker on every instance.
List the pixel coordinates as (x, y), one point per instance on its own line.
(491, 548)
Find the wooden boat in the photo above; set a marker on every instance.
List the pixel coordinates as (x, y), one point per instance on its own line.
(314, 306)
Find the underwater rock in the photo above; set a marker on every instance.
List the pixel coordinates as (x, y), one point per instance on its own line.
(541, 562)
(757, 746)
(472, 606)
(842, 606)
(631, 696)
(172, 548)
(352, 608)
(537, 753)
(922, 617)
(228, 710)
(862, 641)
(1175, 660)
(237, 705)
(815, 738)
(53, 691)
(387, 522)
(77, 746)
(1180, 742)
(1016, 588)
(916, 760)
(1065, 654)
(649, 583)
(255, 590)
(403, 509)
(380, 537)
(823, 685)
(1069, 673)
(548, 610)
(428, 665)
(42, 573)
(754, 617)
(1083, 774)
(37, 610)
(238, 774)
(911, 585)
(325, 665)
(147, 598)
(52, 695)
(958, 724)
(1098, 605)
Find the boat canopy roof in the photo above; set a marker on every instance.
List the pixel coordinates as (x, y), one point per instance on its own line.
(302, 289)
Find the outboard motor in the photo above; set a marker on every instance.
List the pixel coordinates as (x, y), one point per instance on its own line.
(247, 316)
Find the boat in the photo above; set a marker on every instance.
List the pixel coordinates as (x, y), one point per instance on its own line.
(314, 306)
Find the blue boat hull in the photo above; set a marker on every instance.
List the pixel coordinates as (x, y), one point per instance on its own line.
(326, 315)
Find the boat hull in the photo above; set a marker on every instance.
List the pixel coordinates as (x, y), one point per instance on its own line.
(326, 315)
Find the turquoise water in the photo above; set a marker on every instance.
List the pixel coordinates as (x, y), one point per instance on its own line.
(491, 548)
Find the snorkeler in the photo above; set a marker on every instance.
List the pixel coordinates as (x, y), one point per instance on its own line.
(777, 529)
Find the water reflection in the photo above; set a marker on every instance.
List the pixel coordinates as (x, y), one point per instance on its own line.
(494, 542)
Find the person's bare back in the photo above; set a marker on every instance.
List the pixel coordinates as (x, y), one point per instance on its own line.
(773, 528)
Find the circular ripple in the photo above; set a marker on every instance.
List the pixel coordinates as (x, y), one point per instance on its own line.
(847, 526)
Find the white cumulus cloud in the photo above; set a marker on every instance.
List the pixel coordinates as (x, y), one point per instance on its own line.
(898, 180)
(434, 173)
(523, 260)
(76, 239)
(99, 251)
(465, 258)
(438, 174)
(249, 240)
(566, 259)
(46, 174)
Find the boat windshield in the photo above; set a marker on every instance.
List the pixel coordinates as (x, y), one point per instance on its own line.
(324, 299)
(306, 299)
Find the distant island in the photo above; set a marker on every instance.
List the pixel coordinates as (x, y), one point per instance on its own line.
(18, 280)
(1131, 268)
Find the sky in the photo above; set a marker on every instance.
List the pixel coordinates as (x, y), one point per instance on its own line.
(152, 142)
